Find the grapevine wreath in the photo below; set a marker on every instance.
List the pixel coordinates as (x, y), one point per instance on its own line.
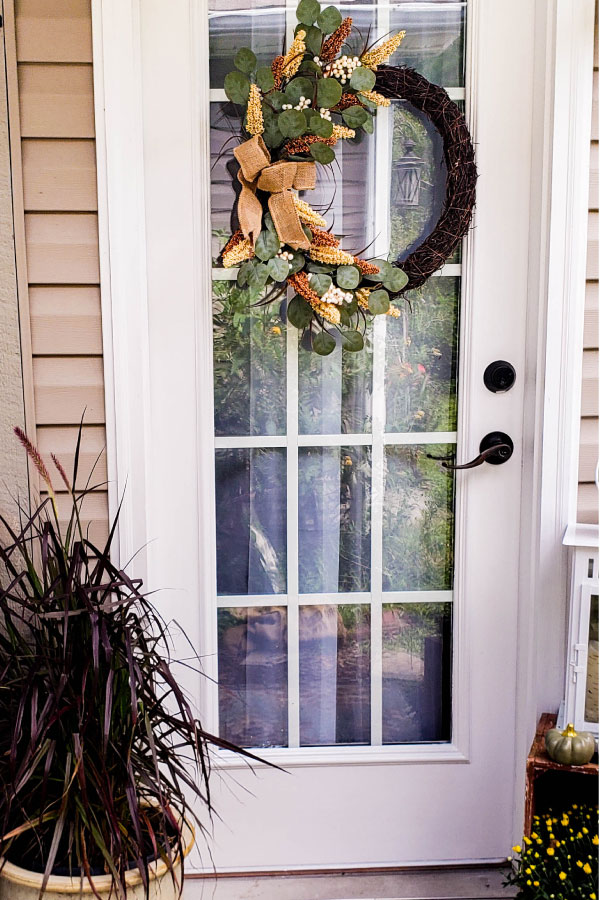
(296, 110)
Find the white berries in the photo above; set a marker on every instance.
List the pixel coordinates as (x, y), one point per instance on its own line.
(335, 295)
(303, 103)
(342, 68)
(317, 60)
(285, 255)
(325, 113)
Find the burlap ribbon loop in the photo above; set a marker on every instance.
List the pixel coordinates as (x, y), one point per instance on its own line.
(278, 179)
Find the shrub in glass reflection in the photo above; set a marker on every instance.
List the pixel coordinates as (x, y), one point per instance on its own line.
(416, 672)
(417, 520)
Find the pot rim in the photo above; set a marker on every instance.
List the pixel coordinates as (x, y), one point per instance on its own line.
(68, 885)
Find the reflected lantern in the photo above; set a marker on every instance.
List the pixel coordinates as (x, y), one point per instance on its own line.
(407, 177)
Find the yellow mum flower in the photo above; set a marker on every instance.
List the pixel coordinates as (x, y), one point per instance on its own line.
(562, 876)
(592, 896)
(587, 869)
(550, 851)
(527, 840)
(534, 835)
(517, 848)
(595, 840)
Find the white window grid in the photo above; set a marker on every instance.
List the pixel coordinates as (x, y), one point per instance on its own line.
(378, 439)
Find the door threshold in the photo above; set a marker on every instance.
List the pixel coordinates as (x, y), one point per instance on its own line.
(478, 881)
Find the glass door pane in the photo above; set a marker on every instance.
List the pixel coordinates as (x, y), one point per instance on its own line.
(335, 528)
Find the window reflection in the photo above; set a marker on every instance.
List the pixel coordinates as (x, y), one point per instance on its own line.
(248, 365)
(418, 525)
(253, 676)
(335, 679)
(416, 672)
(335, 391)
(421, 359)
(334, 519)
(251, 519)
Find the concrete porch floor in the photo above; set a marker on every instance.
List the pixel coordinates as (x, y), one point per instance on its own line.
(431, 884)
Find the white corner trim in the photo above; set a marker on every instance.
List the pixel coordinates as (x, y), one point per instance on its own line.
(121, 216)
(558, 210)
(567, 247)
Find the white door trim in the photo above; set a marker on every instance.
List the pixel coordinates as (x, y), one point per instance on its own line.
(122, 246)
(555, 316)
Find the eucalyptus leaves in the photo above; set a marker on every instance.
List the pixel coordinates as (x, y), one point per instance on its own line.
(296, 111)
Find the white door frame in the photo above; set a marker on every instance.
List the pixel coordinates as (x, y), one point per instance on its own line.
(561, 103)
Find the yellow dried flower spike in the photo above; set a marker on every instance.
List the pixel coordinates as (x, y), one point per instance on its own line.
(376, 98)
(331, 256)
(362, 297)
(254, 117)
(340, 132)
(373, 58)
(237, 249)
(307, 214)
(328, 311)
(294, 56)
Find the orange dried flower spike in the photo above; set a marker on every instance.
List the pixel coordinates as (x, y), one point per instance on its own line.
(334, 43)
(365, 267)
(277, 67)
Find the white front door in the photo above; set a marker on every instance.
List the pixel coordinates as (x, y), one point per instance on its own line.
(356, 601)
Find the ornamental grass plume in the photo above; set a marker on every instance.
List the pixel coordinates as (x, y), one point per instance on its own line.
(236, 250)
(36, 458)
(294, 56)
(335, 42)
(254, 117)
(559, 860)
(378, 55)
(375, 97)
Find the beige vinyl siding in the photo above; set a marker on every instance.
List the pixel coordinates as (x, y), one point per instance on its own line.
(587, 500)
(56, 105)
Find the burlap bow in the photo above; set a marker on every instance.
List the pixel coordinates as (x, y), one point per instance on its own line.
(278, 179)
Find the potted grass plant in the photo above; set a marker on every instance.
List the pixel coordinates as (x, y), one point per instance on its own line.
(104, 768)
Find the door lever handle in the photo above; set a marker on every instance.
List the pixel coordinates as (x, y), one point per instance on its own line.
(495, 448)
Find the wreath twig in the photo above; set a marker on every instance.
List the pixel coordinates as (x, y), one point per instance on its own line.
(403, 83)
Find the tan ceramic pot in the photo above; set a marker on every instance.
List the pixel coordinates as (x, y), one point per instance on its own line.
(20, 884)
